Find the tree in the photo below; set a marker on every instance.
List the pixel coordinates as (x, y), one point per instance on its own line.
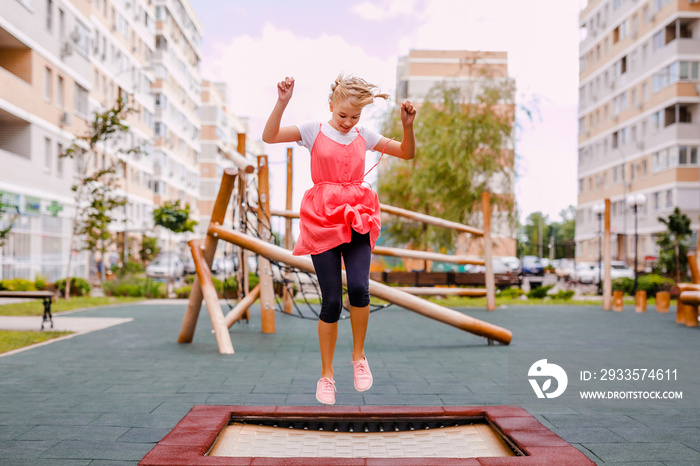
(673, 247)
(539, 234)
(176, 219)
(462, 136)
(149, 248)
(94, 187)
(6, 225)
(97, 219)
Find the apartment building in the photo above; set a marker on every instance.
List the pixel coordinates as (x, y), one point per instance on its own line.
(639, 122)
(45, 82)
(122, 46)
(223, 134)
(422, 70)
(61, 60)
(177, 92)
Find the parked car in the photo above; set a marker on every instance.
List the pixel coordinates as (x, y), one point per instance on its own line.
(499, 266)
(532, 265)
(166, 265)
(564, 268)
(512, 262)
(586, 272)
(620, 269)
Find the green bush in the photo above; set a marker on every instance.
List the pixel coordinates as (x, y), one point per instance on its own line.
(17, 284)
(511, 293)
(131, 268)
(183, 292)
(564, 295)
(626, 285)
(40, 283)
(78, 286)
(134, 287)
(654, 283)
(539, 292)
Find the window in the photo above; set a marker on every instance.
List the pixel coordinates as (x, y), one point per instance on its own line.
(59, 92)
(49, 14)
(61, 23)
(47, 84)
(687, 155)
(658, 40)
(81, 100)
(669, 198)
(59, 160)
(47, 154)
(656, 120)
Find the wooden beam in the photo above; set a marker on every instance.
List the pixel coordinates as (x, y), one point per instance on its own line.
(240, 309)
(404, 213)
(216, 316)
(488, 254)
(287, 298)
(430, 220)
(194, 304)
(387, 293)
(267, 292)
(424, 255)
(441, 291)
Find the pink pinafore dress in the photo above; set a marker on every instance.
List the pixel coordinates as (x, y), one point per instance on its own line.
(338, 202)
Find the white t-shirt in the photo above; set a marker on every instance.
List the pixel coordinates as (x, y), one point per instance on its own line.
(309, 131)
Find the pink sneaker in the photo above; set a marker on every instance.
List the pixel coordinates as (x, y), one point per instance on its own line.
(325, 391)
(363, 376)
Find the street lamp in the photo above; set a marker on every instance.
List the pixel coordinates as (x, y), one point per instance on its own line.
(599, 209)
(634, 201)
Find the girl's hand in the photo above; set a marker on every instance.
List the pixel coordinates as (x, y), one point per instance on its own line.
(408, 113)
(285, 89)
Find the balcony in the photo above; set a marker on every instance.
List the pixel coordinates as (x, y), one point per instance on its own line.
(15, 57)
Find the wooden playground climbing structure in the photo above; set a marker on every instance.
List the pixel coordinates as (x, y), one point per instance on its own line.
(203, 288)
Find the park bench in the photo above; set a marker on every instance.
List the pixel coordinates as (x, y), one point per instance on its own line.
(45, 296)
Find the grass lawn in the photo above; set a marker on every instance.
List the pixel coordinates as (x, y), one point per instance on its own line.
(36, 308)
(12, 339)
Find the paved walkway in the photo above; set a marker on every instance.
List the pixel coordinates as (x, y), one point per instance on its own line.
(106, 397)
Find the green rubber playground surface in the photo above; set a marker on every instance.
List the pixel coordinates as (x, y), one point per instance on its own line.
(107, 397)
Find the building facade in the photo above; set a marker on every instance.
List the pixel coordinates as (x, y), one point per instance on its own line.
(639, 122)
(62, 60)
(421, 71)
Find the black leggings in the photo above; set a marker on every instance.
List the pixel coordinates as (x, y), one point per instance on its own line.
(356, 255)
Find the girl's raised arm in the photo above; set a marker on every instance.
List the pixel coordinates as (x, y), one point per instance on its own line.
(406, 149)
(272, 132)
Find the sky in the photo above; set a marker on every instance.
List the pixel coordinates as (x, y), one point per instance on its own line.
(253, 44)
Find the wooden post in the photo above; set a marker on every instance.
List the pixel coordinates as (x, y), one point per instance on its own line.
(618, 301)
(387, 293)
(194, 305)
(242, 276)
(640, 301)
(267, 292)
(691, 301)
(287, 298)
(662, 301)
(488, 255)
(693, 266)
(240, 309)
(223, 338)
(607, 280)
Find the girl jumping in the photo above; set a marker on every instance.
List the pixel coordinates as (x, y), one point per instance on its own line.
(340, 215)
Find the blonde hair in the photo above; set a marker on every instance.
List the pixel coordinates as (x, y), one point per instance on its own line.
(359, 92)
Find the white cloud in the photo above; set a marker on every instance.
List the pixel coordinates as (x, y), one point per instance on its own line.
(384, 10)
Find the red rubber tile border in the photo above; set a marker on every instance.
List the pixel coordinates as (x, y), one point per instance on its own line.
(192, 437)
